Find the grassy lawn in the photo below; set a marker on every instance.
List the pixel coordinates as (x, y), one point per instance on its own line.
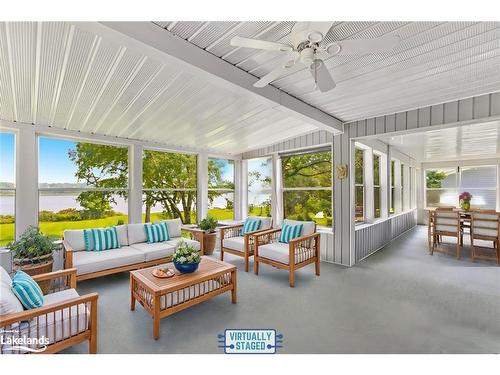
(56, 228)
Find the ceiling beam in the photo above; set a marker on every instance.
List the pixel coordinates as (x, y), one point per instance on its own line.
(211, 66)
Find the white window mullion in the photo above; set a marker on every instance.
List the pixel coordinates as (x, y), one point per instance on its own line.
(202, 186)
(368, 184)
(135, 184)
(277, 192)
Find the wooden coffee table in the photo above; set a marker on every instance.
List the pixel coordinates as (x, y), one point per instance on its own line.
(164, 297)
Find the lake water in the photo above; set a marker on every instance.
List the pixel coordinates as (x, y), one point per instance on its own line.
(56, 203)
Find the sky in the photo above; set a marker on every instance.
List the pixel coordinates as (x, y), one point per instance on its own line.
(7, 160)
(54, 163)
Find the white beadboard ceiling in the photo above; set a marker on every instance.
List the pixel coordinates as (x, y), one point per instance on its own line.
(478, 141)
(436, 62)
(66, 76)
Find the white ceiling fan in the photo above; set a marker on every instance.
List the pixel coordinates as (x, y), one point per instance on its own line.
(309, 49)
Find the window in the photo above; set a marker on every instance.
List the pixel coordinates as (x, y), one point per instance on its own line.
(441, 187)
(221, 189)
(7, 187)
(81, 185)
(376, 186)
(259, 186)
(402, 187)
(359, 186)
(481, 182)
(169, 186)
(307, 187)
(393, 185)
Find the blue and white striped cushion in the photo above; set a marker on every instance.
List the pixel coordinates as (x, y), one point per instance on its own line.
(27, 290)
(156, 232)
(289, 232)
(251, 225)
(101, 239)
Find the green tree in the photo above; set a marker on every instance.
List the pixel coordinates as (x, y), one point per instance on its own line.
(103, 166)
(434, 179)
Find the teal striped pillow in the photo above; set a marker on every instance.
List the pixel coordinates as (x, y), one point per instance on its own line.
(251, 225)
(289, 232)
(156, 232)
(101, 239)
(27, 290)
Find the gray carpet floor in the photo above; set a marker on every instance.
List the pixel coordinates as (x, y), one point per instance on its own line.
(400, 300)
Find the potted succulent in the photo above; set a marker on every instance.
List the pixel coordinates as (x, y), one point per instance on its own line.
(208, 225)
(186, 258)
(32, 253)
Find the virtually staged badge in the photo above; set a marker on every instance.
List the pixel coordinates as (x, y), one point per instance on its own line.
(250, 341)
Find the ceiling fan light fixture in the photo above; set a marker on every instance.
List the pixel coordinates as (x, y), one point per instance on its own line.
(307, 56)
(315, 37)
(333, 49)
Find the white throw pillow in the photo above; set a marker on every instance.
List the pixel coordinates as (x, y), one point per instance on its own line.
(174, 227)
(136, 233)
(122, 234)
(9, 303)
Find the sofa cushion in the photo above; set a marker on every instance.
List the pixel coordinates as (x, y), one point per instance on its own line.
(9, 303)
(175, 242)
(75, 238)
(280, 252)
(136, 233)
(174, 227)
(122, 234)
(234, 243)
(27, 290)
(56, 327)
(155, 250)
(94, 261)
(309, 227)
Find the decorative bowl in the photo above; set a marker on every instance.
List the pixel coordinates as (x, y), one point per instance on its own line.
(186, 267)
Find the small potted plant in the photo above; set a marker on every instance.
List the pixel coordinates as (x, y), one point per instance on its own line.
(465, 199)
(208, 225)
(186, 258)
(32, 253)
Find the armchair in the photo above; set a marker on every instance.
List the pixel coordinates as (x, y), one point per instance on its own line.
(291, 256)
(231, 240)
(66, 319)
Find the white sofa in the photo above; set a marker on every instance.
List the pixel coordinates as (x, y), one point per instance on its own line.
(134, 252)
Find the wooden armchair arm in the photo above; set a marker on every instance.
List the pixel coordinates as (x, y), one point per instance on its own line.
(304, 238)
(192, 229)
(9, 319)
(70, 273)
(266, 232)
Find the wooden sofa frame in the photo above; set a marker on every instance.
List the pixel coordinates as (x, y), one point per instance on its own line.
(234, 231)
(60, 280)
(296, 247)
(68, 259)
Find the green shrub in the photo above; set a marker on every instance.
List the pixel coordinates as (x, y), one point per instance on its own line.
(32, 244)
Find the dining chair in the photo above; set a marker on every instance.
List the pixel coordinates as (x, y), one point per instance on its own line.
(430, 224)
(446, 223)
(485, 225)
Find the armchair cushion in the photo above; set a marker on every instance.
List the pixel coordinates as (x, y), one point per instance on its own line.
(9, 303)
(27, 290)
(235, 243)
(154, 251)
(308, 227)
(55, 327)
(279, 252)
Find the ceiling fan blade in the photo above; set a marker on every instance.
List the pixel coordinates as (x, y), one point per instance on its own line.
(365, 46)
(271, 76)
(239, 41)
(322, 76)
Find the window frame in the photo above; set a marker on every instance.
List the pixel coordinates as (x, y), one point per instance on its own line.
(378, 157)
(362, 185)
(75, 191)
(13, 189)
(223, 190)
(268, 191)
(284, 189)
